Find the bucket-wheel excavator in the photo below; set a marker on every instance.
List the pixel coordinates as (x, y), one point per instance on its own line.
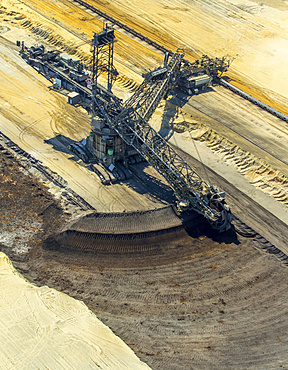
(117, 127)
(129, 120)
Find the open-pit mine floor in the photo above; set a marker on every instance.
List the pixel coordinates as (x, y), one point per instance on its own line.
(193, 299)
(188, 297)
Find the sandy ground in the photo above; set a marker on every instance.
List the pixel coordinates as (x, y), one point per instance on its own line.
(254, 33)
(236, 314)
(43, 328)
(195, 304)
(262, 163)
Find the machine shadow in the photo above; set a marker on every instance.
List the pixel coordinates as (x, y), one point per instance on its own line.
(176, 100)
(197, 226)
(169, 114)
(144, 183)
(141, 182)
(61, 144)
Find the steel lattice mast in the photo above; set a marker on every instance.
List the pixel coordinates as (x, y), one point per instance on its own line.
(102, 60)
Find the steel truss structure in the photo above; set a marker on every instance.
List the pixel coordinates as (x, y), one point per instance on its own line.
(191, 191)
(155, 85)
(129, 120)
(214, 67)
(102, 60)
(131, 124)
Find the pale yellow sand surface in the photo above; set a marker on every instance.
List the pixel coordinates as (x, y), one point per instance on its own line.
(41, 328)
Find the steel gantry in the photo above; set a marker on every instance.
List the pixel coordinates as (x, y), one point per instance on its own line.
(129, 121)
(102, 61)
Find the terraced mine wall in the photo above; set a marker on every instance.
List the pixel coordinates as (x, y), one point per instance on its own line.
(253, 100)
(165, 50)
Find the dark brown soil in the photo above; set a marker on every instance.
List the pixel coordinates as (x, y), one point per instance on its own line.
(24, 203)
(198, 301)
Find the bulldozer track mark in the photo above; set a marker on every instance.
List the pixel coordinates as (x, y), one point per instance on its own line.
(244, 137)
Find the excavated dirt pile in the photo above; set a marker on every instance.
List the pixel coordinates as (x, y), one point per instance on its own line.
(126, 232)
(29, 213)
